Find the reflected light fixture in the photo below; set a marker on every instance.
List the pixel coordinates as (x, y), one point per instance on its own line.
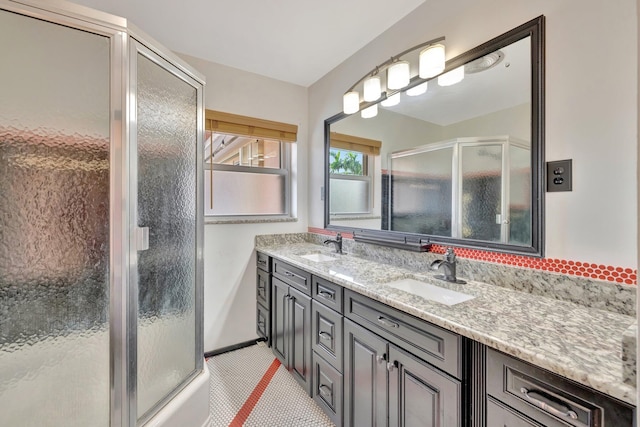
(391, 100)
(432, 61)
(398, 76)
(418, 90)
(369, 112)
(372, 88)
(452, 77)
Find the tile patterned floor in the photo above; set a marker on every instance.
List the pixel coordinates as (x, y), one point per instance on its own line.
(249, 387)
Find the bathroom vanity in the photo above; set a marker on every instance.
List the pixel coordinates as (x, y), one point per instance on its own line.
(372, 352)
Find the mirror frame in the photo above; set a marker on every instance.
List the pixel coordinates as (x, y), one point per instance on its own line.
(535, 30)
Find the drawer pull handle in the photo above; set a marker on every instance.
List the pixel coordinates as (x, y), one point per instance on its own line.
(326, 295)
(387, 322)
(325, 391)
(262, 261)
(548, 408)
(261, 324)
(289, 274)
(392, 365)
(381, 358)
(325, 335)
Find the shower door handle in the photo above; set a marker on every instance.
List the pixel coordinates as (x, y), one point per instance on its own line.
(142, 238)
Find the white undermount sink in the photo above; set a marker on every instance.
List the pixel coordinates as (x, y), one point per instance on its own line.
(430, 292)
(318, 257)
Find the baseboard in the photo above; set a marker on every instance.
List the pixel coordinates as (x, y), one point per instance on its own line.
(233, 347)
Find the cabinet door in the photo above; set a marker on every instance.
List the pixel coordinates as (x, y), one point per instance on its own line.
(279, 320)
(300, 338)
(419, 395)
(365, 377)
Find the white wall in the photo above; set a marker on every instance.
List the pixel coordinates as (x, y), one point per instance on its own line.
(229, 271)
(591, 110)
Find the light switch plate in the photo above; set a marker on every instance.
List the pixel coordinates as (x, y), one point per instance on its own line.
(559, 175)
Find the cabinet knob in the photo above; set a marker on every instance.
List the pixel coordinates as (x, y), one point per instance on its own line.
(392, 365)
(381, 358)
(325, 335)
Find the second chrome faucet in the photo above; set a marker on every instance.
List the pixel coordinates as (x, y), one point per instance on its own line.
(337, 243)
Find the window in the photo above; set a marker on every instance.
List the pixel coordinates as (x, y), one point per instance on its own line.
(247, 173)
(350, 168)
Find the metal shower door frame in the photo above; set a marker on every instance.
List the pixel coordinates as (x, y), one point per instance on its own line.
(122, 245)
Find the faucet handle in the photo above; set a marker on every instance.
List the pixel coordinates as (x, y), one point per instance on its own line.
(450, 255)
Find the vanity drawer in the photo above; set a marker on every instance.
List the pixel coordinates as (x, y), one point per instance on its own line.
(328, 293)
(263, 288)
(499, 415)
(327, 389)
(263, 262)
(435, 345)
(294, 276)
(326, 326)
(549, 398)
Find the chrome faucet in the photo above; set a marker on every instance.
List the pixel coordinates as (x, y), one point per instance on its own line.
(337, 243)
(448, 264)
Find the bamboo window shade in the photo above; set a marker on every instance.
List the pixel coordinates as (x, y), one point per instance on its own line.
(219, 122)
(355, 143)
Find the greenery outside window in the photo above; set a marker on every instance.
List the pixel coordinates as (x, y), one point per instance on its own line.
(351, 167)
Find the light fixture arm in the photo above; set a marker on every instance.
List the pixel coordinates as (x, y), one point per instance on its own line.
(386, 64)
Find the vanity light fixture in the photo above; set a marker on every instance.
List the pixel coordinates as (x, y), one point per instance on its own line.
(418, 90)
(432, 61)
(398, 76)
(392, 100)
(351, 102)
(452, 77)
(372, 88)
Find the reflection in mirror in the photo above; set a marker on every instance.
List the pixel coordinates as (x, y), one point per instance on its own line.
(453, 163)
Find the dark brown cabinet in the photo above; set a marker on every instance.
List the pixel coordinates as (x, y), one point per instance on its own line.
(533, 396)
(263, 297)
(291, 330)
(385, 385)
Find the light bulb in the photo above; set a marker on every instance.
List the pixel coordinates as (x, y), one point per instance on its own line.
(391, 100)
(398, 75)
(351, 102)
(452, 77)
(432, 61)
(417, 90)
(372, 88)
(369, 112)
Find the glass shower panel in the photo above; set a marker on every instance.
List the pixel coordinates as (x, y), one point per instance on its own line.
(481, 195)
(421, 192)
(519, 195)
(54, 224)
(167, 144)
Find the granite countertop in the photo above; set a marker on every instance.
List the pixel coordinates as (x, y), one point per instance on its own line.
(579, 343)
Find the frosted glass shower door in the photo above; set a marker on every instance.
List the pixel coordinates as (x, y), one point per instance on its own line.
(54, 224)
(167, 141)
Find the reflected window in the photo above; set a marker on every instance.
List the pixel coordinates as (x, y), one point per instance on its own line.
(350, 182)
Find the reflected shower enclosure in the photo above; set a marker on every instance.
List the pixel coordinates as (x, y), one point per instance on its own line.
(100, 220)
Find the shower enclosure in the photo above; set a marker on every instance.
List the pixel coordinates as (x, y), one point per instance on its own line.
(100, 220)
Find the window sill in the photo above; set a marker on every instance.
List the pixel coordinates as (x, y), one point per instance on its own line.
(353, 217)
(247, 220)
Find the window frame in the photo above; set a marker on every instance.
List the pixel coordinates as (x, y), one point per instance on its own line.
(284, 170)
(368, 167)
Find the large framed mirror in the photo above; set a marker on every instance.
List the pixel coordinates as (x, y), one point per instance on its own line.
(459, 164)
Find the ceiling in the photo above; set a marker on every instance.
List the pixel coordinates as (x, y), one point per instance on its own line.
(297, 41)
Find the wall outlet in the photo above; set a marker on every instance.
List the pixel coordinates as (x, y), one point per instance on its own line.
(559, 175)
